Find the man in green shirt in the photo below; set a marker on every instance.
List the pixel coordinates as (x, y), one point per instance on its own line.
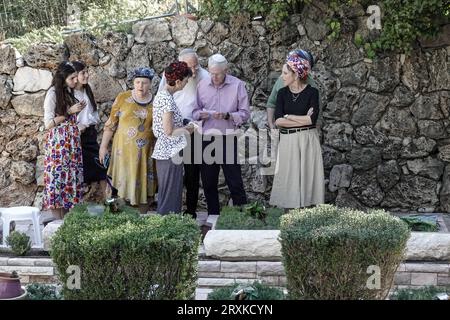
(271, 102)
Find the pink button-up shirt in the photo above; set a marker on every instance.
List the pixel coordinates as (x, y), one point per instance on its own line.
(230, 97)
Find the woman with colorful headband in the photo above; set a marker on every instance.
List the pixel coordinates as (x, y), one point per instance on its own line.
(131, 169)
(299, 174)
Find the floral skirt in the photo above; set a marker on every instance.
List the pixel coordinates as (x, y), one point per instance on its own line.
(63, 167)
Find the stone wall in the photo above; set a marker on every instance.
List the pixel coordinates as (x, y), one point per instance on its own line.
(384, 125)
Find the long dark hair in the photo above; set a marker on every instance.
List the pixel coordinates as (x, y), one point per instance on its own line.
(80, 66)
(64, 95)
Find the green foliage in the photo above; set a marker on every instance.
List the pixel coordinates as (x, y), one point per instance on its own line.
(125, 256)
(42, 291)
(405, 21)
(274, 11)
(426, 293)
(22, 16)
(335, 27)
(359, 41)
(50, 34)
(232, 218)
(255, 291)
(421, 223)
(256, 210)
(327, 251)
(20, 243)
(45, 23)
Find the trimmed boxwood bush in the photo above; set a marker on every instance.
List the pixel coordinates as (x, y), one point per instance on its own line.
(327, 252)
(125, 256)
(231, 218)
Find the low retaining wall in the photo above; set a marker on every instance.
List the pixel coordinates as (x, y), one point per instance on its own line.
(230, 256)
(31, 270)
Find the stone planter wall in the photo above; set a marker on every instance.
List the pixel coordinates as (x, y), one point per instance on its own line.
(244, 256)
(30, 270)
(218, 273)
(384, 124)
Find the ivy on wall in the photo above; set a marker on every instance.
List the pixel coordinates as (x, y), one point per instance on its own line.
(403, 21)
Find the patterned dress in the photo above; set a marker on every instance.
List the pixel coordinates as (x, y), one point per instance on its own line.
(63, 175)
(131, 168)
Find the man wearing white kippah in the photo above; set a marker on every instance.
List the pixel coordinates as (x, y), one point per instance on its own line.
(185, 101)
(222, 105)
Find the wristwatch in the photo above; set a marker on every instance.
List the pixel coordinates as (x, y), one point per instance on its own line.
(227, 116)
(286, 116)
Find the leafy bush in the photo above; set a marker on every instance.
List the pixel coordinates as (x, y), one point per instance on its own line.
(275, 11)
(20, 243)
(426, 293)
(232, 219)
(125, 256)
(421, 223)
(255, 291)
(327, 252)
(42, 291)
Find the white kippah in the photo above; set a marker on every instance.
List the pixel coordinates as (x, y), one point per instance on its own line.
(217, 59)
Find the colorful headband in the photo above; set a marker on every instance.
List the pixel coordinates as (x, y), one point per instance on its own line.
(176, 71)
(302, 54)
(299, 65)
(143, 73)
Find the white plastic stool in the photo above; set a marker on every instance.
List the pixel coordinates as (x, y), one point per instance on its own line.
(8, 215)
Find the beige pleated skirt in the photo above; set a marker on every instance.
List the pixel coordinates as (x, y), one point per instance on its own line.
(299, 175)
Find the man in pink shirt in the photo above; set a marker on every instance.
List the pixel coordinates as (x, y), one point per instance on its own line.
(222, 105)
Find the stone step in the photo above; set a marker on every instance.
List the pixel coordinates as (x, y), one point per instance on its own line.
(202, 293)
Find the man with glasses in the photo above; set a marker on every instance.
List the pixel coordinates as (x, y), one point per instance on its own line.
(222, 105)
(185, 101)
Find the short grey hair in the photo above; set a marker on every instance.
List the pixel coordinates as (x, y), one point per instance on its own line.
(187, 52)
(217, 60)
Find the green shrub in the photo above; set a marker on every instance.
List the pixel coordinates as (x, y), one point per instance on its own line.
(232, 218)
(20, 243)
(42, 291)
(421, 223)
(125, 256)
(426, 293)
(327, 252)
(255, 291)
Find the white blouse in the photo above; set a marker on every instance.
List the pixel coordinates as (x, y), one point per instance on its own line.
(86, 117)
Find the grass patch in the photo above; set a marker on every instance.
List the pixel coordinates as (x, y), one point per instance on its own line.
(231, 218)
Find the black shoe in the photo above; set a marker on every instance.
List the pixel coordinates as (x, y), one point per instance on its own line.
(193, 215)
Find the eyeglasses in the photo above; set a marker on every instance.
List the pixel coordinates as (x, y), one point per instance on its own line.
(196, 67)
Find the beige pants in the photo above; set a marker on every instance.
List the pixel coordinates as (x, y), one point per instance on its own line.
(299, 175)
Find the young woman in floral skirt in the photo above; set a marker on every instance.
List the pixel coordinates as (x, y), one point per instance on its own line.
(63, 174)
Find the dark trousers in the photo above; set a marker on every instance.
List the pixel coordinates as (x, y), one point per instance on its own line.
(231, 170)
(192, 157)
(92, 170)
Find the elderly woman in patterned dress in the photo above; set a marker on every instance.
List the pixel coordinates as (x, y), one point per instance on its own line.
(130, 168)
